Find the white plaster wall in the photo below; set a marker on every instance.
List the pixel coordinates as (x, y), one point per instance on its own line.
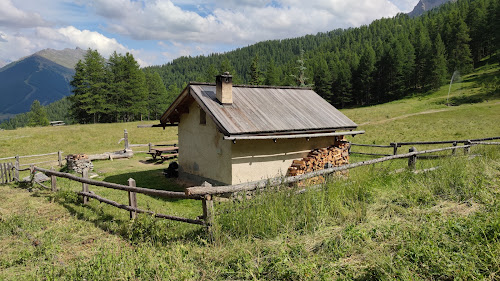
(202, 150)
(260, 159)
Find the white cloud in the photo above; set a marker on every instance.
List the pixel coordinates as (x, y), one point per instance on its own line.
(237, 22)
(3, 37)
(59, 38)
(13, 17)
(82, 38)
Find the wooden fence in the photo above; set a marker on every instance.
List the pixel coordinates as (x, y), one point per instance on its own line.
(132, 189)
(206, 192)
(396, 145)
(6, 173)
(10, 171)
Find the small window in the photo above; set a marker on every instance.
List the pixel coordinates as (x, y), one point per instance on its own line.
(203, 117)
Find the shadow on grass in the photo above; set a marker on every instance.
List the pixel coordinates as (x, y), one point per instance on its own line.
(153, 179)
(144, 228)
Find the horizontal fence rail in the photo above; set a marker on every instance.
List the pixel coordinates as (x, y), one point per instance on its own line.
(250, 186)
(137, 210)
(206, 192)
(153, 192)
(206, 218)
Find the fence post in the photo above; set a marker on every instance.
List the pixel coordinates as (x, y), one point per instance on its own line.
(132, 199)
(85, 187)
(3, 174)
(17, 165)
(59, 158)
(125, 137)
(467, 149)
(53, 181)
(150, 147)
(412, 160)
(453, 151)
(208, 214)
(395, 148)
(9, 166)
(349, 148)
(32, 176)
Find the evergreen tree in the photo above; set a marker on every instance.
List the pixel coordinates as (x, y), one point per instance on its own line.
(157, 95)
(136, 90)
(476, 21)
(363, 78)
(423, 49)
(460, 57)
(272, 77)
(37, 115)
(227, 66)
(90, 88)
(342, 86)
(255, 73)
(210, 74)
(438, 63)
(323, 80)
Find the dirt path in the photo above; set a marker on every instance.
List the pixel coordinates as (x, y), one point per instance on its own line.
(420, 113)
(406, 116)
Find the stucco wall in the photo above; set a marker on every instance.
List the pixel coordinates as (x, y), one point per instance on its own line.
(202, 150)
(259, 159)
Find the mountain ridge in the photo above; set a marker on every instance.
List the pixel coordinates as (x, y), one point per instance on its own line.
(42, 76)
(426, 5)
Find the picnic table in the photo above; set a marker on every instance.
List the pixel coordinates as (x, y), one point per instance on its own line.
(171, 152)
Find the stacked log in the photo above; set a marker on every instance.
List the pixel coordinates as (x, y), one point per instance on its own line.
(79, 162)
(321, 158)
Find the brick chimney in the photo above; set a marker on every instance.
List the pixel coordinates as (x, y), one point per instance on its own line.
(224, 88)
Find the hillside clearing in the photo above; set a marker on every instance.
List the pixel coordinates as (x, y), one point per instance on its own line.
(376, 224)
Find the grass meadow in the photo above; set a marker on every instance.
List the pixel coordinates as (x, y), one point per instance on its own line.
(376, 224)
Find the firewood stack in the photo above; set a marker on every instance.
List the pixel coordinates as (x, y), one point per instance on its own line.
(321, 158)
(79, 162)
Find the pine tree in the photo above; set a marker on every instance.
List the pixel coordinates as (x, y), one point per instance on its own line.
(342, 86)
(37, 115)
(272, 78)
(157, 95)
(136, 90)
(227, 66)
(438, 64)
(255, 73)
(90, 88)
(210, 74)
(323, 80)
(363, 77)
(460, 57)
(423, 49)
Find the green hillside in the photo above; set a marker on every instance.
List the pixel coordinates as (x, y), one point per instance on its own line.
(374, 225)
(386, 60)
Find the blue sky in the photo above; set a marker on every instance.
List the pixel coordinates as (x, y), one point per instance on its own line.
(158, 31)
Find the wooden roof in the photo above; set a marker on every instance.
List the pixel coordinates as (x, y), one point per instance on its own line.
(261, 110)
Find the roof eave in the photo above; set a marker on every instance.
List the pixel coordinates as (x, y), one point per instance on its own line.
(292, 136)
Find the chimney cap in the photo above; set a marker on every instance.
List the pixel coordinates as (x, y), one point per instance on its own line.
(226, 73)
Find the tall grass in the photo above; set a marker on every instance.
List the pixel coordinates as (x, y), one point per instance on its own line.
(339, 201)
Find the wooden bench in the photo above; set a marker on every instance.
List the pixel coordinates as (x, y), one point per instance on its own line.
(171, 151)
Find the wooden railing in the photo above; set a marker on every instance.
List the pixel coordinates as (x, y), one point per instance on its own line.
(250, 186)
(396, 145)
(206, 192)
(130, 188)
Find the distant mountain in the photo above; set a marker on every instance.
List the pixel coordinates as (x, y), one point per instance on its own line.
(426, 5)
(43, 76)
